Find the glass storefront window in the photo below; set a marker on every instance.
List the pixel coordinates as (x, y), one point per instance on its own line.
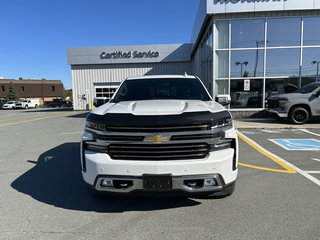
(311, 31)
(284, 32)
(283, 62)
(246, 93)
(222, 35)
(222, 64)
(280, 85)
(235, 64)
(311, 62)
(206, 46)
(247, 63)
(307, 80)
(247, 33)
(206, 73)
(221, 87)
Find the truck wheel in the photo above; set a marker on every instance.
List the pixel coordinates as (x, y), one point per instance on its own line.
(227, 191)
(36, 106)
(26, 107)
(299, 115)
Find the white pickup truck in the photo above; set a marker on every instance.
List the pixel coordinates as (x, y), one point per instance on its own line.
(28, 104)
(160, 134)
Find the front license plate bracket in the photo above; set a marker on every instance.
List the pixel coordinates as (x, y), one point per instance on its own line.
(157, 182)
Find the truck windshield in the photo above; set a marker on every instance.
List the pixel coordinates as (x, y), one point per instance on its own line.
(308, 88)
(162, 88)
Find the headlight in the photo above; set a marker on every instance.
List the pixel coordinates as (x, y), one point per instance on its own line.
(283, 100)
(96, 126)
(222, 123)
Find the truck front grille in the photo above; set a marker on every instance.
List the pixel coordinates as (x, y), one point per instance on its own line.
(158, 152)
(195, 136)
(120, 138)
(179, 128)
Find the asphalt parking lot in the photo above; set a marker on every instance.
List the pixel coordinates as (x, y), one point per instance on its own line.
(43, 196)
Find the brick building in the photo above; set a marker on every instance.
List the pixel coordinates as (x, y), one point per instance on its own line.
(44, 90)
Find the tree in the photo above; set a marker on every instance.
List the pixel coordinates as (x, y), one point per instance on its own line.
(67, 94)
(246, 74)
(12, 94)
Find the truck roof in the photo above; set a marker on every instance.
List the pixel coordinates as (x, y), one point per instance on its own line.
(161, 76)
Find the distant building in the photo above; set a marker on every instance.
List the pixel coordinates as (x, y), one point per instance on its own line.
(44, 90)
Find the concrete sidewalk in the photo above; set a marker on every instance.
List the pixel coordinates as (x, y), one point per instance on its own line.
(269, 123)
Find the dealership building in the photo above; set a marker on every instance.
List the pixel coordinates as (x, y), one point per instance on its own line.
(249, 49)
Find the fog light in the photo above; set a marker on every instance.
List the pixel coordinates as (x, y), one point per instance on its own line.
(195, 183)
(106, 183)
(209, 182)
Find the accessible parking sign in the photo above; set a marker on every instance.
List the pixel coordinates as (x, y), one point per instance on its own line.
(298, 144)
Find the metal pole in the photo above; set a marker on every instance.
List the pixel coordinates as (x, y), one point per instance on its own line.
(256, 62)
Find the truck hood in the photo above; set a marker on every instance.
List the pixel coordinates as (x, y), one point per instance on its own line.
(290, 96)
(159, 107)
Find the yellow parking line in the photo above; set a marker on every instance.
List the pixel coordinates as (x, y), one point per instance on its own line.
(23, 118)
(267, 154)
(265, 169)
(34, 119)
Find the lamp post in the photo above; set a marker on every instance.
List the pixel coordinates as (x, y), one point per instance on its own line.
(241, 64)
(258, 43)
(316, 62)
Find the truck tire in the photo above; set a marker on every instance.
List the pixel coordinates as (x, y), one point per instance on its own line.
(26, 107)
(299, 115)
(36, 106)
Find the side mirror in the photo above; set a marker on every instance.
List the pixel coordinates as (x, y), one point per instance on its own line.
(317, 94)
(99, 102)
(224, 100)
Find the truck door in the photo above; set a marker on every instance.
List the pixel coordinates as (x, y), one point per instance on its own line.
(316, 102)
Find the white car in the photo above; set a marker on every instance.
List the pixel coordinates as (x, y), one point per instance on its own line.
(9, 105)
(160, 134)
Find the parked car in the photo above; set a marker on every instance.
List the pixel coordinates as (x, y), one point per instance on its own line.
(256, 101)
(297, 107)
(2, 102)
(9, 105)
(59, 103)
(28, 104)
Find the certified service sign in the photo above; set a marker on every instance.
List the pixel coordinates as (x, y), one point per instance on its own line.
(129, 55)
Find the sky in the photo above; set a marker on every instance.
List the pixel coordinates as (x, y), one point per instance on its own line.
(35, 34)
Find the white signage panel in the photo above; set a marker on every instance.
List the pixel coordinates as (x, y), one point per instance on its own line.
(316, 4)
(229, 6)
(296, 4)
(246, 85)
(270, 6)
(249, 6)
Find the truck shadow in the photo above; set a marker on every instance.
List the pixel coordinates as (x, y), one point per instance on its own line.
(56, 180)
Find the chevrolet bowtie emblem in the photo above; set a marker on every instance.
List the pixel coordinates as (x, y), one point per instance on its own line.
(157, 139)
